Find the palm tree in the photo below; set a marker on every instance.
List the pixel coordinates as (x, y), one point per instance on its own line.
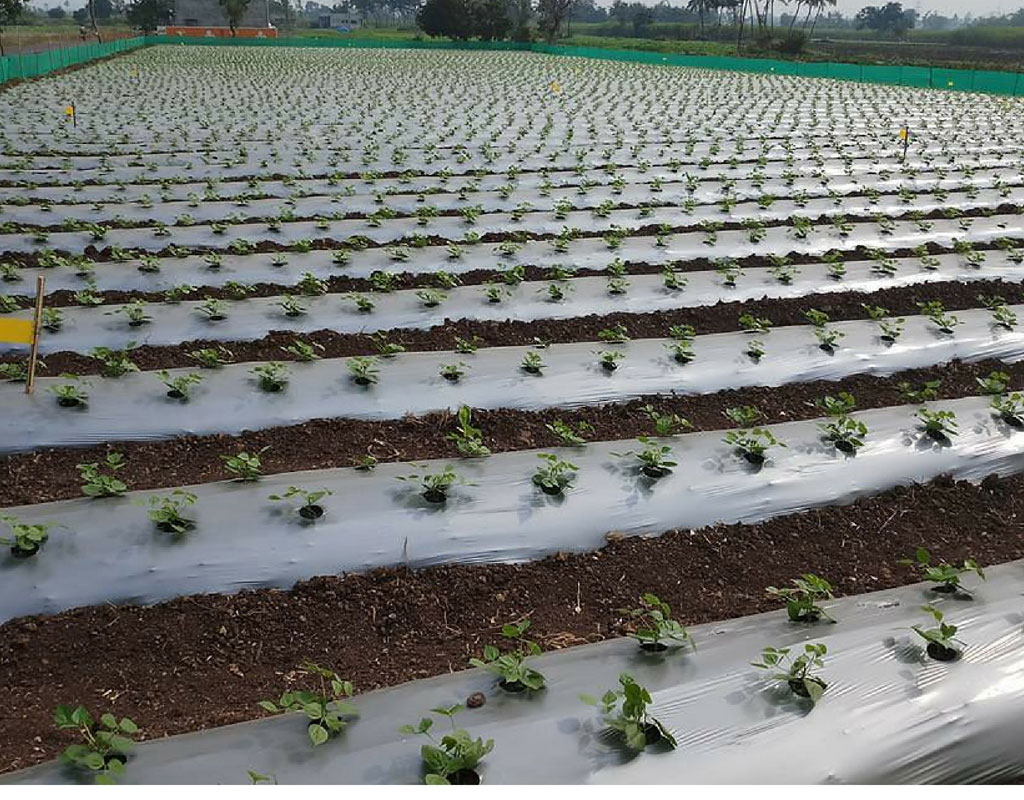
(700, 7)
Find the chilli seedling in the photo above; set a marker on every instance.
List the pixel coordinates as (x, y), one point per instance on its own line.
(846, 433)
(798, 674)
(935, 312)
(941, 640)
(625, 710)
(70, 395)
(666, 424)
(996, 383)
(803, 596)
(271, 377)
(166, 511)
(1010, 409)
(327, 707)
(363, 370)
(98, 484)
(179, 387)
(532, 363)
(569, 436)
(25, 540)
(452, 760)
(303, 351)
(554, 476)
(468, 439)
(106, 746)
(654, 460)
(245, 466)
(946, 577)
(310, 508)
(752, 444)
(617, 334)
(212, 357)
(939, 425)
(435, 486)
(655, 629)
(514, 674)
(609, 359)
(452, 372)
(114, 363)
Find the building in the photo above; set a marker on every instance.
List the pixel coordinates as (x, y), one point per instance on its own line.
(210, 14)
(346, 19)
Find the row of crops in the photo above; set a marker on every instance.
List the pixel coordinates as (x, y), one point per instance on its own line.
(359, 311)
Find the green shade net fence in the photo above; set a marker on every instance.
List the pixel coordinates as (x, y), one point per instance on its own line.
(965, 80)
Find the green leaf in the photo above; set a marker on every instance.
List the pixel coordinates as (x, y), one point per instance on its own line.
(318, 734)
(128, 726)
(814, 689)
(93, 760)
(266, 705)
(108, 720)
(436, 780)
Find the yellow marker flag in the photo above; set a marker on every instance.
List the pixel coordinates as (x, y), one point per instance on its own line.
(17, 331)
(904, 133)
(555, 87)
(69, 110)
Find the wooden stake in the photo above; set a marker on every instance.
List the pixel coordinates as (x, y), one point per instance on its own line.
(37, 323)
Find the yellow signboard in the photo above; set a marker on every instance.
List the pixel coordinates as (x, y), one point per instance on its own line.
(17, 331)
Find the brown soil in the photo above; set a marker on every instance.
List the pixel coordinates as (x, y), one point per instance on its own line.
(718, 318)
(46, 475)
(202, 661)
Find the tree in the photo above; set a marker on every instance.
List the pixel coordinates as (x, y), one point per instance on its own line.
(700, 7)
(550, 16)
(489, 19)
(451, 18)
(10, 10)
(56, 13)
(148, 14)
(890, 18)
(235, 12)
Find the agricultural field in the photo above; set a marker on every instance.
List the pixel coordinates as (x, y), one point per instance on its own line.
(360, 369)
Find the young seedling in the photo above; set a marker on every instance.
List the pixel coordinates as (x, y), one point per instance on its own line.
(743, 416)
(673, 280)
(214, 309)
(752, 444)
(1002, 316)
(166, 511)
(431, 297)
(291, 306)
(939, 425)
(310, 508)
(617, 334)
(754, 349)
(245, 467)
(532, 363)
(803, 597)
(272, 376)
(106, 744)
(385, 348)
(609, 359)
(666, 424)
(935, 312)
(752, 324)
(114, 363)
(569, 436)
(435, 485)
(495, 292)
(654, 460)
(179, 387)
(25, 540)
(655, 629)
(945, 576)
(327, 707)
(511, 668)
(98, 484)
(136, 313)
(941, 640)
(798, 675)
(995, 383)
(554, 476)
(364, 304)
(625, 710)
(452, 760)
(363, 370)
(468, 439)
(452, 372)
(929, 391)
(1010, 409)
(70, 395)
(212, 357)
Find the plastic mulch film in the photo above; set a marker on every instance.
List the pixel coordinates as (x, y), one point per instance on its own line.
(109, 551)
(890, 714)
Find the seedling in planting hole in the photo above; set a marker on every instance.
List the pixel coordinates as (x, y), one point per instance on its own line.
(114, 363)
(752, 324)
(625, 710)
(467, 346)
(655, 460)
(511, 668)
(1010, 409)
(25, 540)
(996, 383)
(617, 286)
(783, 273)
(70, 395)
(213, 309)
(752, 444)
(939, 425)
(468, 439)
(569, 436)
(609, 359)
(107, 743)
(934, 310)
(431, 297)
(828, 338)
(617, 334)
(272, 377)
(99, 485)
(384, 282)
(946, 576)
(655, 625)
(754, 349)
(245, 466)
(291, 306)
(1002, 316)
(435, 485)
(165, 511)
(846, 433)
(179, 387)
(941, 640)
(365, 463)
(513, 276)
(385, 348)
(363, 370)
(532, 363)
(213, 260)
(556, 292)
(929, 391)
(212, 357)
(327, 708)
(364, 304)
(672, 280)
(555, 475)
(452, 760)
(495, 292)
(803, 597)
(311, 509)
(729, 271)
(452, 372)
(799, 674)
